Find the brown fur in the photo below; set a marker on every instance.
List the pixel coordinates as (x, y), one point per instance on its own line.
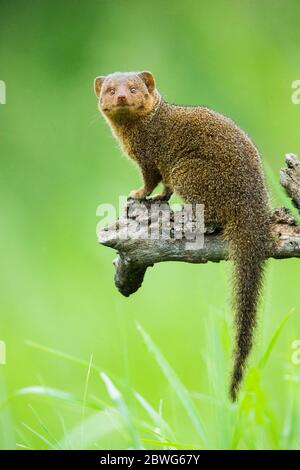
(205, 158)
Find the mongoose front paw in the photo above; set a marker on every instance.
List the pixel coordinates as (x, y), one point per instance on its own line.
(138, 194)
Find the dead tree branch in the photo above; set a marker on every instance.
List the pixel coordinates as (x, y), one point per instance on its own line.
(290, 178)
(134, 235)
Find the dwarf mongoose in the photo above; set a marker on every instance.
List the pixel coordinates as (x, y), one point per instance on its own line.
(205, 158)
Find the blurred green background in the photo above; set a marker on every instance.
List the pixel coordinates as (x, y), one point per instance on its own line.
(59, 162)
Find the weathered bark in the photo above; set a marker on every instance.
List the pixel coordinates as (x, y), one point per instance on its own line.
(290, 178)
(135, 235)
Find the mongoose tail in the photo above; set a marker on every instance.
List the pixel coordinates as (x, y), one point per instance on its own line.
(248, 252)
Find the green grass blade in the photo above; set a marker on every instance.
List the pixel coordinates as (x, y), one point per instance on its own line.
(7, 434)
(49, 392)
(265, 357)
(69, 357)
(169, 444)
(156, 417)
(40, 436)
(176, 384)
(62, 355)
(118, 400)
(94, 428)
(86, 389)
(45, 428)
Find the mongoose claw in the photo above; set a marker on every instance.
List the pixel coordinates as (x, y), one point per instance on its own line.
(160, 197)
(138, 194)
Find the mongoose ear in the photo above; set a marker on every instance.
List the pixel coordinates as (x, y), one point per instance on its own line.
(98, 84)
(148, 79)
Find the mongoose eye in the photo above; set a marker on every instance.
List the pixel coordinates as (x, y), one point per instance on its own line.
(133, 90)
(112, 91)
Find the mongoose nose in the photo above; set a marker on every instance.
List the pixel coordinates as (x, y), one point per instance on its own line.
(121, 99)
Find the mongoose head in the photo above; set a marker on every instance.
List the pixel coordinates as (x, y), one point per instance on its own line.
(128, 95)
